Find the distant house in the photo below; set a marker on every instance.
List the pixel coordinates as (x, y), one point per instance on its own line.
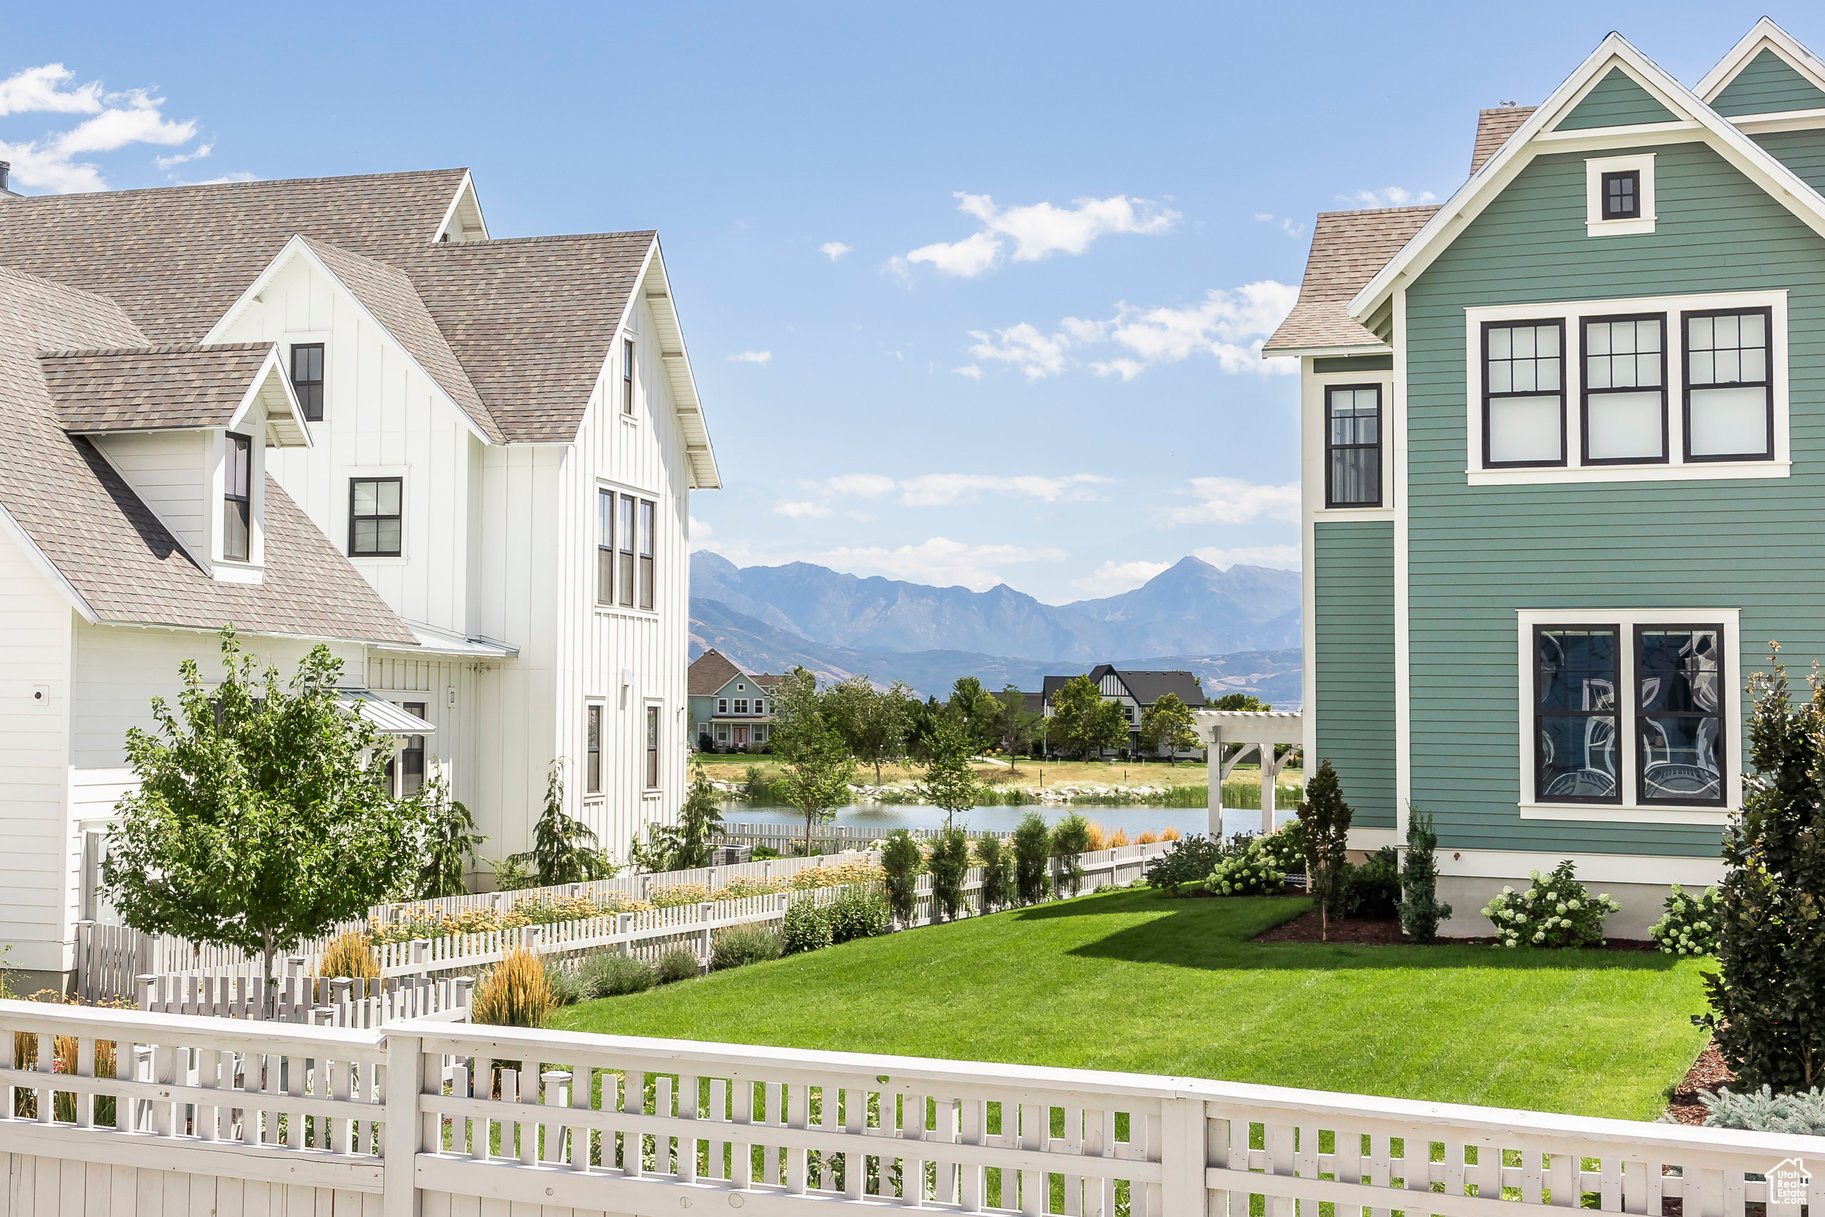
(1134, 690)
(731, 708)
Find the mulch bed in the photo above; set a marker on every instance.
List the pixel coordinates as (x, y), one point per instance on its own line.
(1708, 1073)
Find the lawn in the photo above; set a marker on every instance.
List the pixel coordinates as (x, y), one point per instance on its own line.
(1134, 981)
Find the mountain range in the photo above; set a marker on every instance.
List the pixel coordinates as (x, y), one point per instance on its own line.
(1238, 629)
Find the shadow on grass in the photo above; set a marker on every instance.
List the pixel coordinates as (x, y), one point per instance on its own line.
(1215, 934)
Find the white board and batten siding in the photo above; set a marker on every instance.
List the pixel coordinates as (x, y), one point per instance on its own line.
(171, 472)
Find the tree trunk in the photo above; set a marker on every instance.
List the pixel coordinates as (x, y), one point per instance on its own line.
(877, 771)
(809, 815)
(269, 1007)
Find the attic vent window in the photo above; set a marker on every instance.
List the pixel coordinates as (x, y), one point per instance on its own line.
(1619, 195)
(1622, 195)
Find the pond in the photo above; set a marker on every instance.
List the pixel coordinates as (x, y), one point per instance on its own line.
(1133, 820)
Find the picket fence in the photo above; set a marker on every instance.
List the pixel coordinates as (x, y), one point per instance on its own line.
(141, 1115)
(785, 837)
(645, 935)
(324, 1001)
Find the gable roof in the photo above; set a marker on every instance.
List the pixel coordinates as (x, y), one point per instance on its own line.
(1768, 71)
(105, 546)
(154, 388)
(1348, 247)
(1149, 687)
(1493, 127)
(709, 672)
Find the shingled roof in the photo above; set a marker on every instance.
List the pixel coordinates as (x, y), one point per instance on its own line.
(1493, 127)
(1348, 247)
(110, 548)
(152, 388)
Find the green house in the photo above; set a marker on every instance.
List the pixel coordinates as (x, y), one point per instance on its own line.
(1563, 460)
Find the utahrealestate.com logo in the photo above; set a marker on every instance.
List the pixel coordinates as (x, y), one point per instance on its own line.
(1788, 1182)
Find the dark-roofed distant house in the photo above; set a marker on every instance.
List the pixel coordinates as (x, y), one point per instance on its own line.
(1563, 443)
(1134, 690)
(731, 708)
(338, 410)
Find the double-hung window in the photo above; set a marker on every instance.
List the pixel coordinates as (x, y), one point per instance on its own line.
(592, 749)
(722, 705)
(627, 557)
(652, 747)
(648, 565)
(741, 705)
(1625, 389)
(1352, 467)
(237, 498)
(1729, 377)
(625, 572)
(1523, 393)
(605, 547)
(307, 378)
(627, 377)
(376, 522)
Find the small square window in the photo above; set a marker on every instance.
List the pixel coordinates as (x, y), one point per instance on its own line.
(1622, 195)
(376, 523)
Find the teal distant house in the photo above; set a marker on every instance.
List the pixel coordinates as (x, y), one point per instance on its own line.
(731, 707)
(1564, 473)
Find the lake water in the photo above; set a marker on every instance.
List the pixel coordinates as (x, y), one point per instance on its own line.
(1133, 820)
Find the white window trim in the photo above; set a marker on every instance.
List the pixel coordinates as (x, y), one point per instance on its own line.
(646, 708)
(293, 338)
(722, 705)
(1594, 169)
(1631, 810)
(1317, 386)
(1675, 468)
(593, 797)
(355, 473)
(618, 609)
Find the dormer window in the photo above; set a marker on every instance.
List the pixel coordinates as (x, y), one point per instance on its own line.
(1622, 195)
(237, 499)
(307, 378)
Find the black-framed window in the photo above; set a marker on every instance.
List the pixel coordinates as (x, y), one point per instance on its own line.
(376, 522)
(1682, 755)
(237, 498)
(1729, 378)
(1352, 446)
(1622, 195)
(605, 547)
(648, 562)
(627, 376)
(741, 705)
(652, 747)
(307, 378)
(625, 539)
(592, 750)
(412, 756)
(1624, 390)
(1577, 718)
(1523, 393)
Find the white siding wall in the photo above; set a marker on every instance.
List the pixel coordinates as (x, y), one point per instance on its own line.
(35, 620)
(447, 687)
(174, 472)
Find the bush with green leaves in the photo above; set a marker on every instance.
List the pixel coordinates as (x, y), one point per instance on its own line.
(1190, 860)
(564, 849)
(1689, 925)
(901, 860)
(1251, 870)
(608, 974)
(1371, 892)
(949, 865)
(1420, 910)
(1325, 818)
(1032, 854)
(679, 963)
(806, 928)
(860, 912)
(1556, 911)
(1070, 841)
(997, 873)
(740, 945)
(1287, 847)
(1801, 1113)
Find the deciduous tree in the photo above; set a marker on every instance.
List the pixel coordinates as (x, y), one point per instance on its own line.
(818, 766)
(1166, 727)
(1019, 725)
(1325, 817)
(690, 842)
(948, 781)
(872, 720)
(451, 840)
(1083, 721)
(978, 710)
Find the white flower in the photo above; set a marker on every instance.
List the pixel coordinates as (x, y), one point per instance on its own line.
(1539, 936)
(1573, 904)
(1511, 942)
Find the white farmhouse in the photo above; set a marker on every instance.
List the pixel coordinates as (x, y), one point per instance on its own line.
(337, 410)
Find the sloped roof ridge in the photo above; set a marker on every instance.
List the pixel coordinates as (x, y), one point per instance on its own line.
(157, 348)
(258, 183)
(552, 237)
(1379, 211)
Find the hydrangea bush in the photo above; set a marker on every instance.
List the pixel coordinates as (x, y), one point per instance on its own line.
(1555, 912)
(1690, 926)
(1251, 871)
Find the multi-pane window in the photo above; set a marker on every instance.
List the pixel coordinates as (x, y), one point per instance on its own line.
(1524, 393)
(760, 705)
(375, 522)
(1576, 673)
(625, 572)
(605, 547)
(1729, 385)
(1352, 445)
(647, 565)
(652, 747)
(722, 705)
(237, 498)
(1679, 678)
(1622, 195)
(626, 553)
(741, 705)
(627, 376)
(1625, 389)
(307, 378)
(412, 756)
(592, 750)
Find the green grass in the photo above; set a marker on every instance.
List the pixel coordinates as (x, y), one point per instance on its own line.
(1134, 981)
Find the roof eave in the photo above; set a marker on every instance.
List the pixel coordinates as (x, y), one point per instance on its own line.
(677, 362)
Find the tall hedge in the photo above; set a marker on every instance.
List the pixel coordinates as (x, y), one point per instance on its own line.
(901, 860)
(1032, 854)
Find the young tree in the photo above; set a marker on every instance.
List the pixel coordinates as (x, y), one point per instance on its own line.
(564, 848)
(818, 766)
(872, 721)
(262, 815)
(1083, 722)
(1239, 701)
(997, 873)
(900, 863)
(1166, 726)
(949, 864)
(948, 781)
(1019, 725)
(1420, 910)
(978, 710)
(1325, 818)
(688, 844)
(450, 840)
(1070, 840)
(1032, 851)
(1768, 993)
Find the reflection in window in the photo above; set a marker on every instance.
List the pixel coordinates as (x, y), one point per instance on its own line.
(1576, 714)
(1679, 677)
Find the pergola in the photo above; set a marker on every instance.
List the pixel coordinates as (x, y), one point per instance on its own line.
(1231, 736)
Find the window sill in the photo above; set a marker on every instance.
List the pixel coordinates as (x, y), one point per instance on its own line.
(230, 570)
(378, 559)
(617, 610)
(651, 794)
(1618, 228)
(1354, 513)
(1590, 813)
(1695, 471)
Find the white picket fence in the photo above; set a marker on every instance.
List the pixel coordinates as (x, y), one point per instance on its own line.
(172, 1116)
(298, 998)
(646, 935)
(784, 837)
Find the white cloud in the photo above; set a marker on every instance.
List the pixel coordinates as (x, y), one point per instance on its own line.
(940, 561)
(170, 162)
(800, 510)
(944, 489)
(1388, 196)
(1285, 224)
(1229, 325)
(1113, 578)
(1227, 500)
(700, 533)
(860, 485)
(833, 249)
(969, 370)
(1284, 557)
(116, 121)
(763, 358)
(1036, 231)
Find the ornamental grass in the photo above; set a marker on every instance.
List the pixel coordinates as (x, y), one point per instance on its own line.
(514, 993)
(351, 955)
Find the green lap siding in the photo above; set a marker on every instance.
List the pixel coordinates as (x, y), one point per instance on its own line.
(1353, 663)
(1480, 553)
(1615, 101)
(1767, 85)
(1801, 151)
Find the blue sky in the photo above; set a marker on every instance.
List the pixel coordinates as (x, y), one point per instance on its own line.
(971, 291)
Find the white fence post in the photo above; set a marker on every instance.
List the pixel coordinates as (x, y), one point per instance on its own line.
(707, 911)
(399, 1152)
(1182, 1157)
